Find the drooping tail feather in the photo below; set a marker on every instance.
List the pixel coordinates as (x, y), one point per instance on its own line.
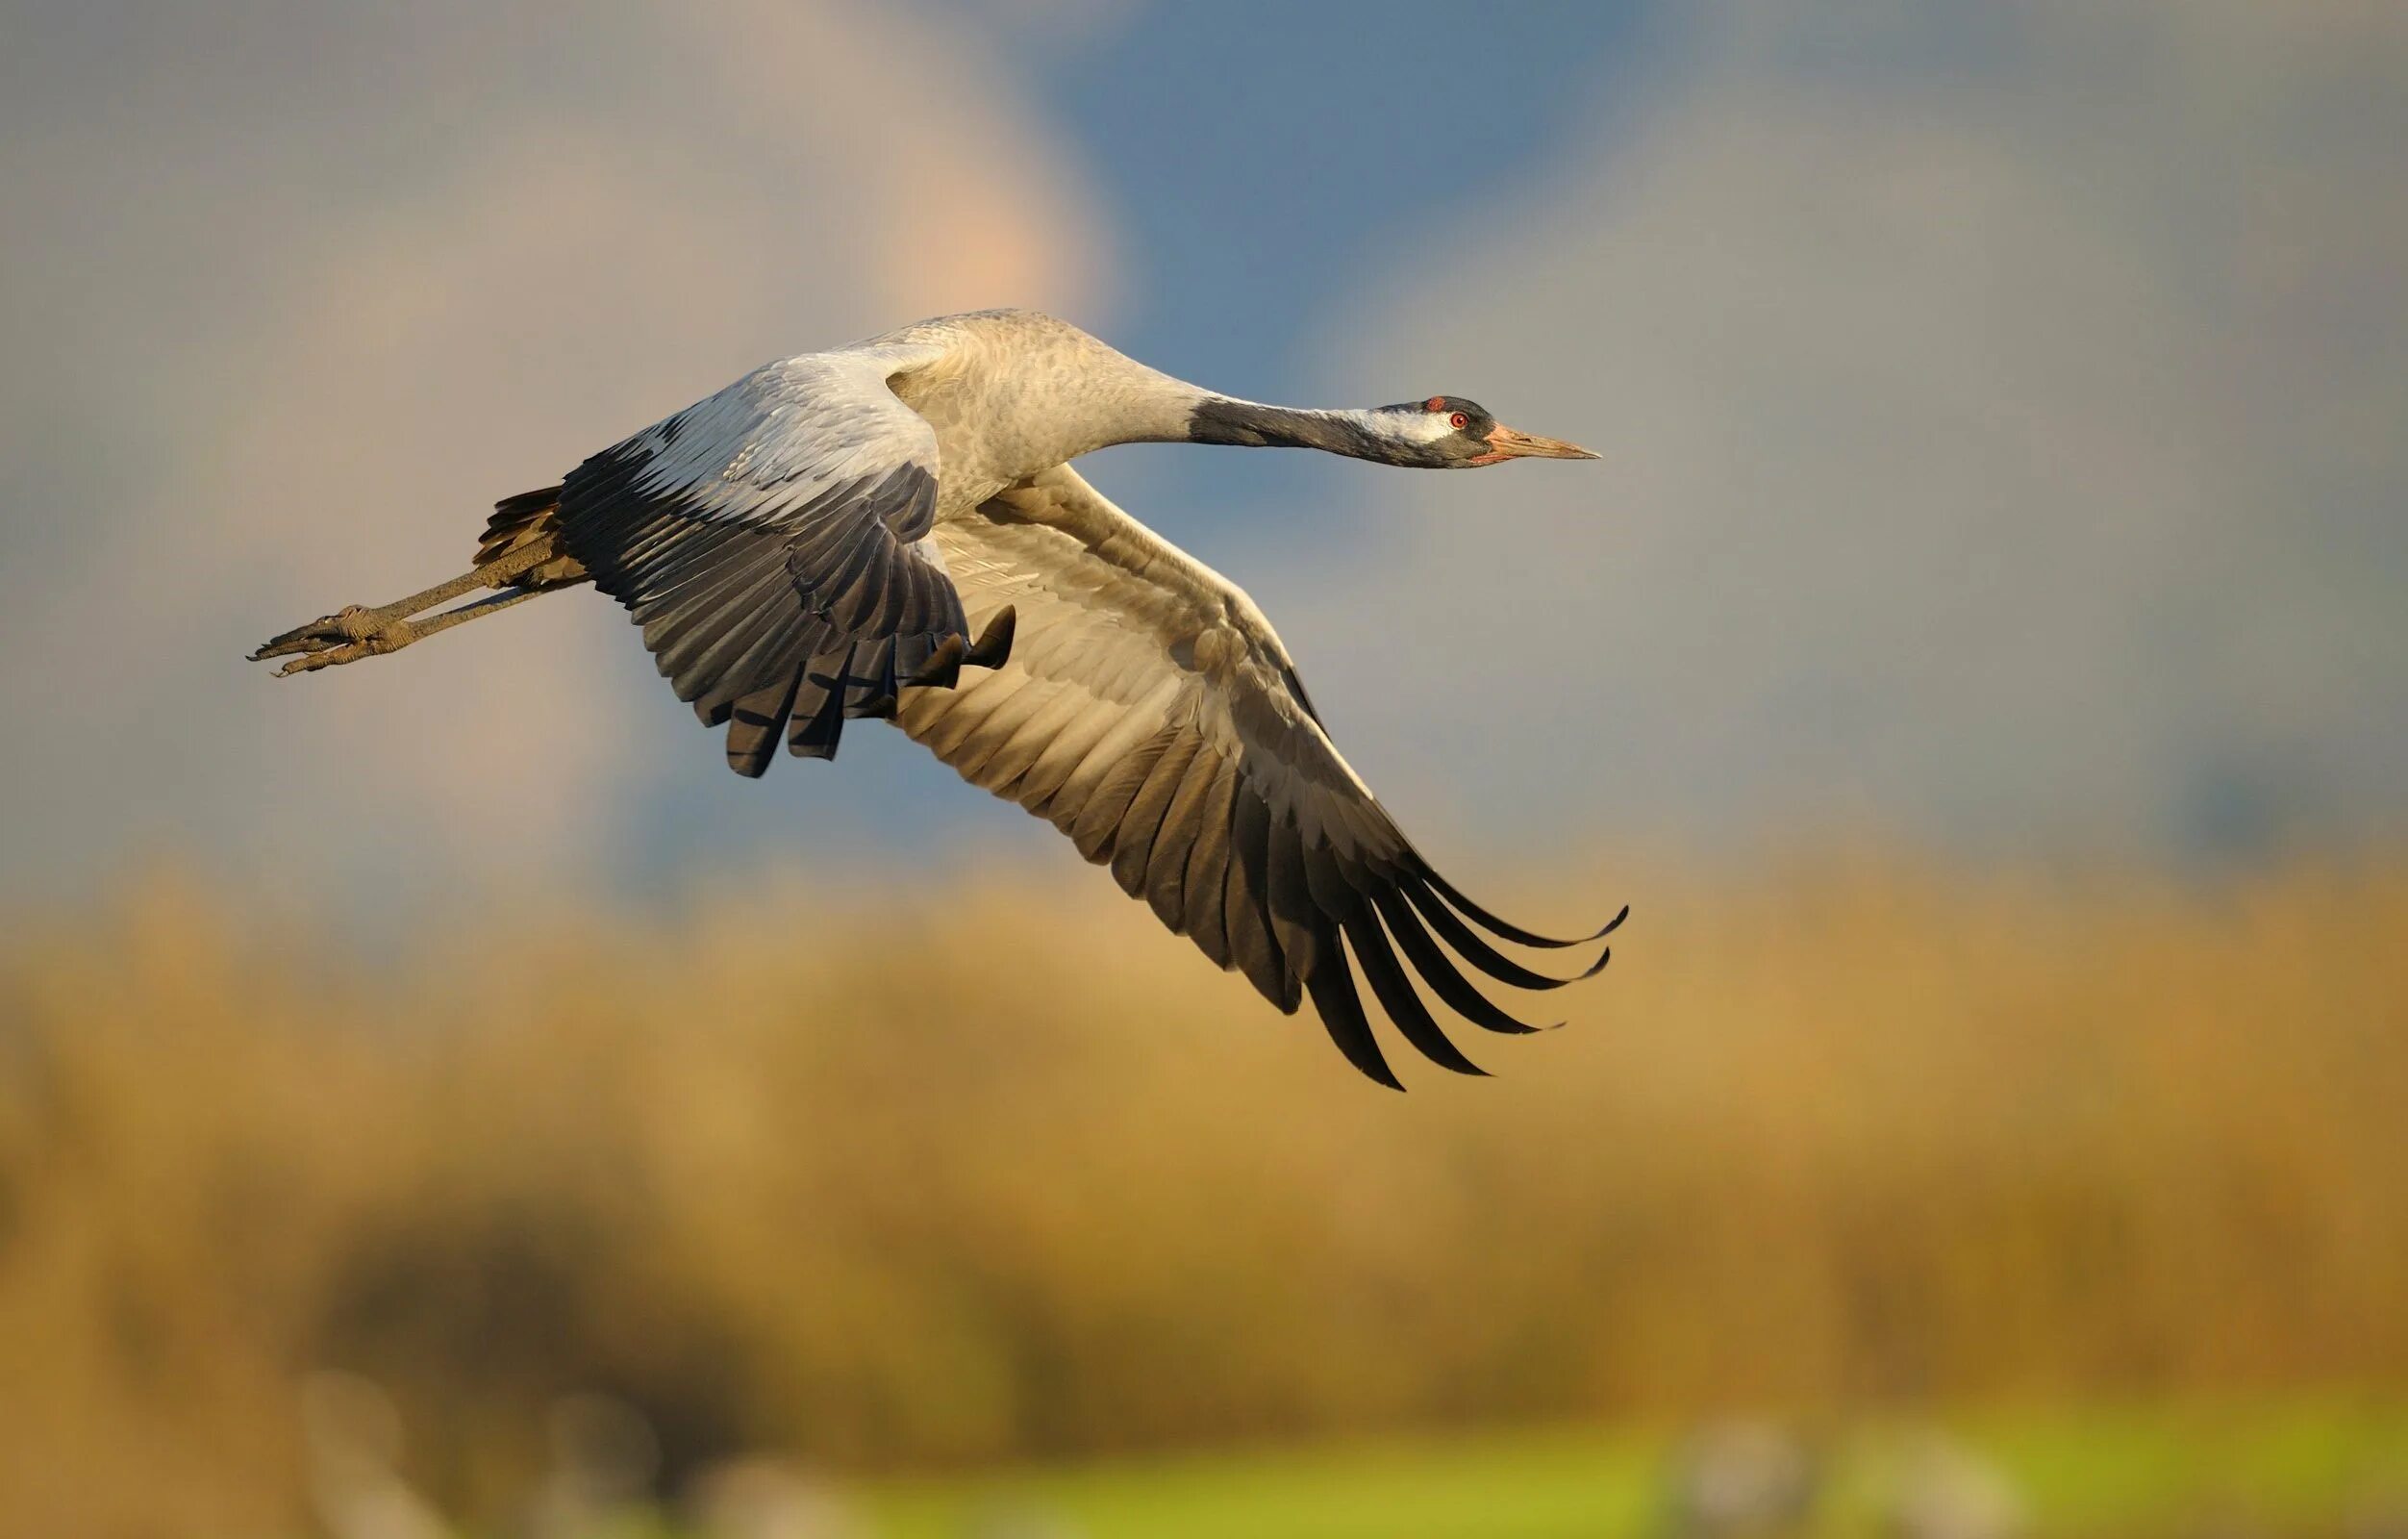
(519, 521)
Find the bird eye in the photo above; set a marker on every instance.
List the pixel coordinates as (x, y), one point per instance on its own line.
(1460, 420)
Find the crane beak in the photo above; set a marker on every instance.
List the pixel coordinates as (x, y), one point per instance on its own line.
(1505, 443)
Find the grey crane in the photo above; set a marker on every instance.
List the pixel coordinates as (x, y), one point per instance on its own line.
(892, 530)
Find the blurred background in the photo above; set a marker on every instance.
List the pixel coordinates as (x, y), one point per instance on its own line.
(439, 1099)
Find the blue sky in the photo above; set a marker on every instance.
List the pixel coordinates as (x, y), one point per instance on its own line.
(1261, 159)
(2000, 402)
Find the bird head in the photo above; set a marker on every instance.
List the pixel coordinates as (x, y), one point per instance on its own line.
(1447, 432)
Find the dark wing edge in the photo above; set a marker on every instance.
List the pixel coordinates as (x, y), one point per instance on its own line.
(772, 544)
(1215, 797)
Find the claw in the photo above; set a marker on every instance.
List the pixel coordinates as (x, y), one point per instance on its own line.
(345, 635)
(327, 657)
(300, 638)
(349, 625)
(355, 631)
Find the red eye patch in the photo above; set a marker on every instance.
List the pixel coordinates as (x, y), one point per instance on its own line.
(1436, 403)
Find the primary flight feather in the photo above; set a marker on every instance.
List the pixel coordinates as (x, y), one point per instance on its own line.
(892, 530)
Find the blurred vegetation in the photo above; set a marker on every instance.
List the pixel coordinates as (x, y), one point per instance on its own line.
(994, 1173)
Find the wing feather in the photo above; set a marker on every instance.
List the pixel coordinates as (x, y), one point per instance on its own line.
(1096, 828)
(1132, 844)
(1207, 862)
(1246, 907)
(1149, 712)
(757, 534)
(1166, 864)
(1395, 992)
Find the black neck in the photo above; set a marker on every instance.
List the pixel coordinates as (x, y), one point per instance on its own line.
(1247, 424)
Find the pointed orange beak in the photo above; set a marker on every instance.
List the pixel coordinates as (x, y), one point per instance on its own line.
(1508, 444)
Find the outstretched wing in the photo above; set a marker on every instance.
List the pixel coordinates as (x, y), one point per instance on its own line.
(780, 522)
(1148, 711)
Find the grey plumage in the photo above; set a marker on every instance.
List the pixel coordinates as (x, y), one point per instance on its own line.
(772, 543)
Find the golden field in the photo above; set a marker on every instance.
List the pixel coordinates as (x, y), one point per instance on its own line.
(993, 1171)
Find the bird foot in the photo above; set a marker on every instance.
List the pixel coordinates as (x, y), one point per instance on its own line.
(346, 636)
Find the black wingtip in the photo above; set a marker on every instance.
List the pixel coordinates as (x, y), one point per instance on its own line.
(1340, 1009)
(1458, 933)
(1406, 1012)
(1438, 973)
(1503, 928)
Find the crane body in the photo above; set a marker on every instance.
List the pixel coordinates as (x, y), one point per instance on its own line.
(893, 531)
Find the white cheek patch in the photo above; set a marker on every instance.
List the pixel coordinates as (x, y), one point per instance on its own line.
(1415, 426)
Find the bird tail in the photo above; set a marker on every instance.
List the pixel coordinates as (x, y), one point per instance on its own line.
(520, 522)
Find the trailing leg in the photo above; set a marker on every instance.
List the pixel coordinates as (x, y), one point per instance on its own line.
(354, 632)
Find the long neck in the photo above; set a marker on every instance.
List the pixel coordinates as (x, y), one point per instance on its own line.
(1128, 402)
(1251, 424)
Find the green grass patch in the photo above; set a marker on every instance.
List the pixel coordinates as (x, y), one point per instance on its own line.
(2287, 1467)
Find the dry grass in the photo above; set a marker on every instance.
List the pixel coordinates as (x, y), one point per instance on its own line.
(1003, 1174)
